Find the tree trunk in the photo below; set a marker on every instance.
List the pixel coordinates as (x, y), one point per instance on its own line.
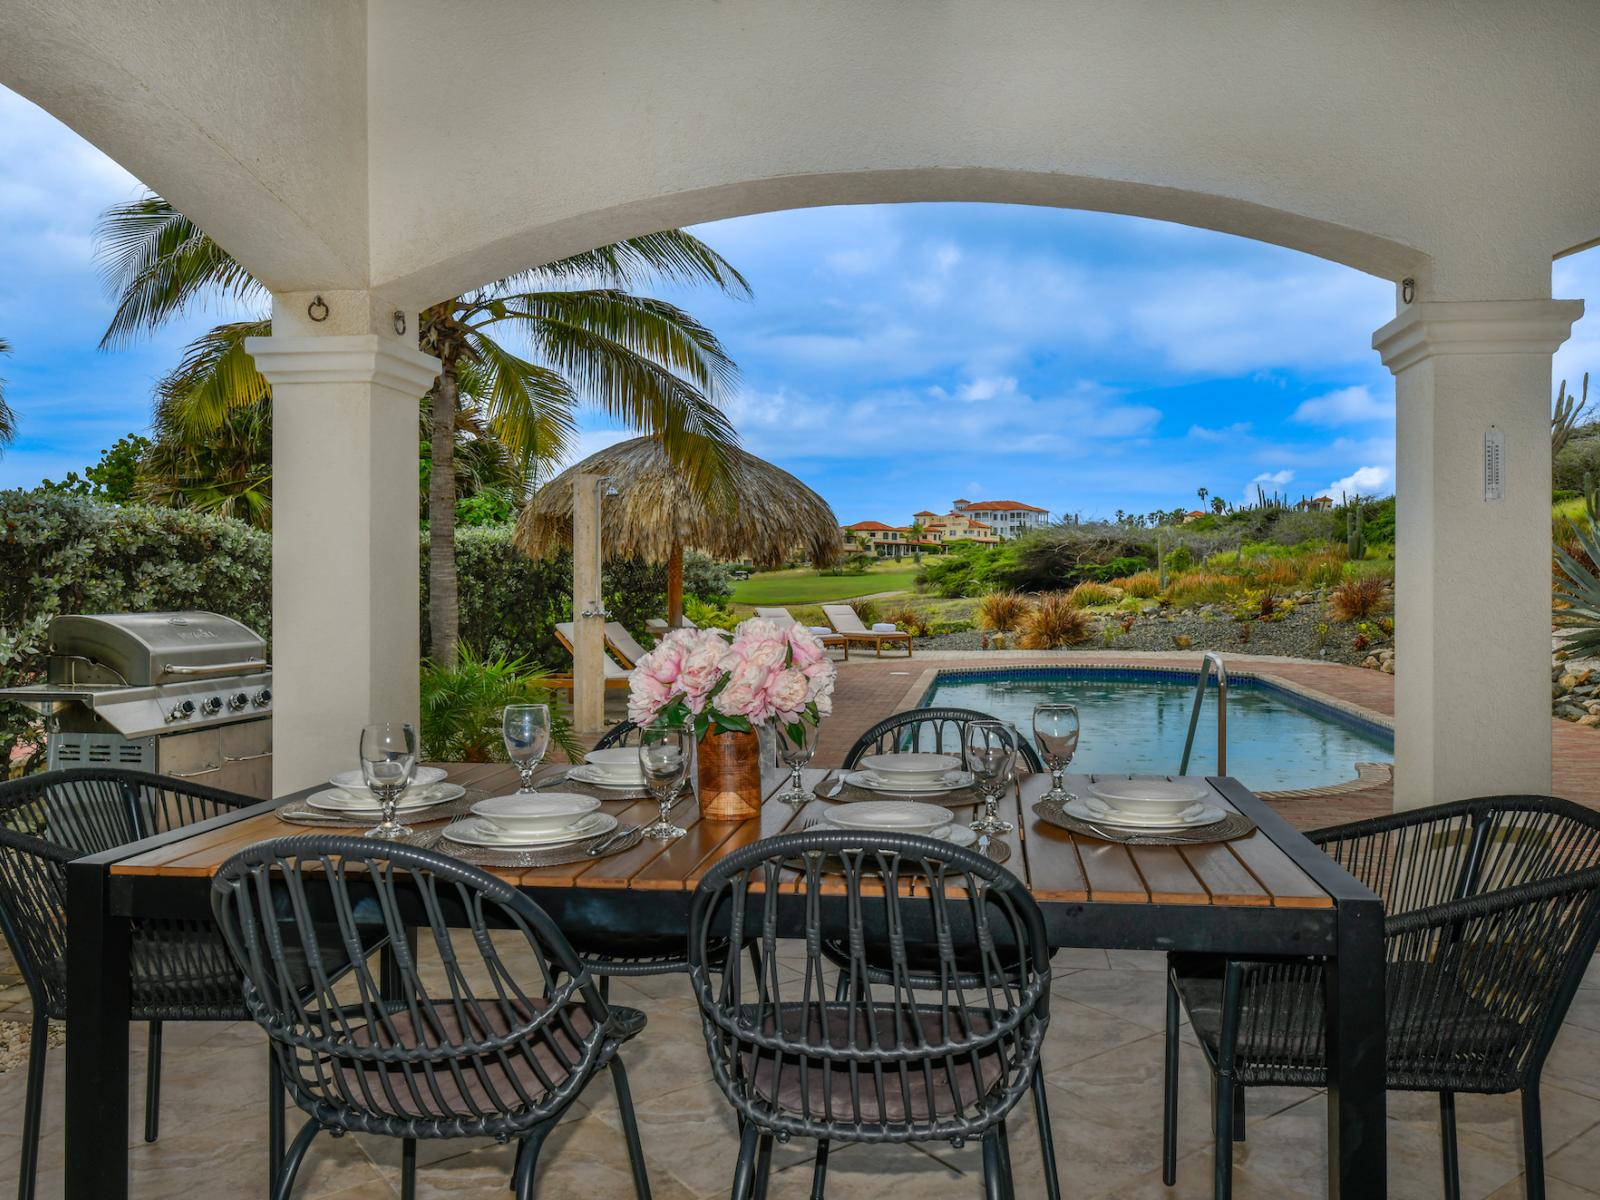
(444, 603)
(675, 588)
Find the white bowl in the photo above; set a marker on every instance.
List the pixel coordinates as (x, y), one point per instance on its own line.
(896, 816)
(623, 761)
(355, 781)
(1151, 797)
(913, 768)
(545, 812)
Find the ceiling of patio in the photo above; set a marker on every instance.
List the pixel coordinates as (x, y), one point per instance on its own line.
(419, 148)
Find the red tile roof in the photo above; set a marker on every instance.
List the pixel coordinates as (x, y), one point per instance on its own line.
(876, 527)
(1004, 506)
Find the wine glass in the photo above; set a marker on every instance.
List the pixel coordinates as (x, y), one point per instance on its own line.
(664, 762)
(388, 763)
(795, 755)
(990, 749)
(526, 728)
(1055, 729)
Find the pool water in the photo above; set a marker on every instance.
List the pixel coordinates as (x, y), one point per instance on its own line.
(1134, 722)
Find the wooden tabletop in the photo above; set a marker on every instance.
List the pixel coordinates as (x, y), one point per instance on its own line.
(1055, 864)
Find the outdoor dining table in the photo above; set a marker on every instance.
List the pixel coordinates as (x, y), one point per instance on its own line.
(1270, 892)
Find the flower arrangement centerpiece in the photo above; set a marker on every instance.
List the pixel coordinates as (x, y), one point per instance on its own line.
(726, 691)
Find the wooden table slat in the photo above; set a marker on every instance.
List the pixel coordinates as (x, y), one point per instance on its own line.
(1224, 876)
(1167, 877)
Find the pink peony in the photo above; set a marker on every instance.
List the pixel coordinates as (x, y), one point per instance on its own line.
(805, 646)
(787, 693)
(647, 696)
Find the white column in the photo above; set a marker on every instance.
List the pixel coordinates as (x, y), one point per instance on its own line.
(345, 550)
(1472, 587)
(588, 609)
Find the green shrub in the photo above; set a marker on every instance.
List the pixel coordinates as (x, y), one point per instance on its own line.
(855, 564)
(707, 578)
(461, 708)
(709, 616)
(1088, 595)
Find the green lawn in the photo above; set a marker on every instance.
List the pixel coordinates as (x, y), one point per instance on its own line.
(805, 586)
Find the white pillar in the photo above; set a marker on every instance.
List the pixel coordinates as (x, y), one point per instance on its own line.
(345, 551)
(1472, 588)
(588, 609)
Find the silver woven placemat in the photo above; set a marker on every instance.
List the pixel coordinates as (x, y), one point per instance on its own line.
(301, 813)
(554, 856)
(850, 794)
(1233, 825)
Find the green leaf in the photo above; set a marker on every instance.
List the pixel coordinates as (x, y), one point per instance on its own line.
(732, 724)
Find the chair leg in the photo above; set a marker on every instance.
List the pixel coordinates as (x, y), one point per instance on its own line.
(1222, 1166)
(1169, 1097)
(152, 1084)
(1047, 1141)
(33, 1107)
(408, 1169)
(605, 988)
(1006, 1178)
(293, 1159)
(819, 1172)
(763, 1166)
(1238, 1112)
(994, 1167)
(1447, 1142)
(275, 1101)
(1532, 1142)
(744, 1168)
(630, 1128)
(527, 1160)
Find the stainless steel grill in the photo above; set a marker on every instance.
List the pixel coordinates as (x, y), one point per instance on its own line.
(186, 694)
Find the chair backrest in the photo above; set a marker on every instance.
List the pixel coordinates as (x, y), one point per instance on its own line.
(623, 644)
(566, 634)
(620, 734)
(781, 615)
(485, 1025)
(844, 618)
(46, 821)
(930, 730)
(936, 1051)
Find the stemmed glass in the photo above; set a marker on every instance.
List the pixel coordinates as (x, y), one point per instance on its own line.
(388, 763)
(1055, 729)
(795, 756)
(526, 728)
(664, 762)
(990, 749)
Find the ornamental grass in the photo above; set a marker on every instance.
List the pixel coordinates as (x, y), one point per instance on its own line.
(1054, 621)
(1355, 599)
(1003, 611)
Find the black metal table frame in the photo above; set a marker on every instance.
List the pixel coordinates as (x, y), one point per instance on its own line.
(1349, 934)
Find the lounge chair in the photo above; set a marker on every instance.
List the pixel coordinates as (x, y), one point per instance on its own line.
(658, 629)
(830, 641)
(848, 625)
(623, 644)
(616, 675)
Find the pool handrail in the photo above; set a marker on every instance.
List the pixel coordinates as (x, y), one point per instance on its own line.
(1210, 661)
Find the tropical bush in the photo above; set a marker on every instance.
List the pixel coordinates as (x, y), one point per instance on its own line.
(705, 577)
(1002, 612)
(1355, 599)
(707, 615)
(917, 624)
(461, 707)
(1053, 621)
(1088, 594)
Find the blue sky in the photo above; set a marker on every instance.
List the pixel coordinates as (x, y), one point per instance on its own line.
(894, 357)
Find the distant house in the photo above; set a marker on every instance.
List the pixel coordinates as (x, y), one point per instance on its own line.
(957, 527)
(886, 541)
(1316, 504)
(1007, 518)
(1193, 514)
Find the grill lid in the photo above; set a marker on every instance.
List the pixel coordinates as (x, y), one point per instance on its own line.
(151, 648)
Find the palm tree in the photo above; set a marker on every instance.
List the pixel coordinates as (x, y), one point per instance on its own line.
(8, 419)
(586, 339)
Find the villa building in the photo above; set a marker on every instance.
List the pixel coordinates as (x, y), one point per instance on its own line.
(957, 527)
(1008, 518)
(886, 541)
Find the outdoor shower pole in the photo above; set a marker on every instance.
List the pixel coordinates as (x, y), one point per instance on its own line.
(588, 610)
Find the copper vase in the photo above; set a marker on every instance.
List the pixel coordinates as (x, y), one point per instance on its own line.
(729, 774)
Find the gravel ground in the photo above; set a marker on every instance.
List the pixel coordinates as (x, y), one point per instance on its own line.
(1213, 628)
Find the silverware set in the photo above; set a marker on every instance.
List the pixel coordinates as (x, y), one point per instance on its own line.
(611, 839)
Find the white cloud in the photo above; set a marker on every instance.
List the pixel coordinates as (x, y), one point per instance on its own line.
(1366, 481)
(1226, 433)
(1347, 406)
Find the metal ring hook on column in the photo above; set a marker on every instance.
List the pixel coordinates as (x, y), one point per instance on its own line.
(317, 303)
(1408, 290)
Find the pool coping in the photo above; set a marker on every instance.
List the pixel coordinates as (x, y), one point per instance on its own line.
(1367, 774)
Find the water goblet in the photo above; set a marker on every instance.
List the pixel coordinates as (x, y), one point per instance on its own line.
(990, 750)
(526, 729)
(1055, 730)
(388, 763)
(796, 754)
(664, 763)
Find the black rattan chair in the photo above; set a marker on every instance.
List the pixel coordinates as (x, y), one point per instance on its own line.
(1493, 912)
(181, 971)
(451, 1047)
(925, 1057)
(935, 730)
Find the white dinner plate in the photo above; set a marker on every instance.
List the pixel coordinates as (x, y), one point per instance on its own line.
(365, 804)
(604, 779)
(955, 833)
(354, 781)
(867, 781)
(1088, 809)
(898, 816)
(476, 831)
(924, 768)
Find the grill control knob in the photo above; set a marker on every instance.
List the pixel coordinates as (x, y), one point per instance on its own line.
(211, 706)
(238, 700)
(180, 710)
(263, 698)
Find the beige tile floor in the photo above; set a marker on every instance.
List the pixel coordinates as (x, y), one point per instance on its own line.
(1102, 1061)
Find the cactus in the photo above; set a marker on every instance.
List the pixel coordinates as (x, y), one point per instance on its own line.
(1591, 498)
(1161, 559)
(1355, 533)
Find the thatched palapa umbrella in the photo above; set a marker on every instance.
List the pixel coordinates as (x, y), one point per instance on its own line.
(656, 514)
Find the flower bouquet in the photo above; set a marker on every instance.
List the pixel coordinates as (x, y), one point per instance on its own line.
(768, 674)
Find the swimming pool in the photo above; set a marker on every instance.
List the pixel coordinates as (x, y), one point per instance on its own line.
(1135, 719)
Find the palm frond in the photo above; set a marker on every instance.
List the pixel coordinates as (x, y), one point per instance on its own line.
(671, 254)
(215, 377)
(527, 408)
(1579, 588)
(8, 419)
(157, 262)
